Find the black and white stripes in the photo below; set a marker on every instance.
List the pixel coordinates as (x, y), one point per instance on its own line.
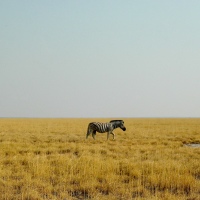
(94, 127)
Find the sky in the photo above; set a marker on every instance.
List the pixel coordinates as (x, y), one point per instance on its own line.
(88, 59)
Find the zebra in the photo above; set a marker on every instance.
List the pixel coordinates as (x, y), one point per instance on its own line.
(94, 127)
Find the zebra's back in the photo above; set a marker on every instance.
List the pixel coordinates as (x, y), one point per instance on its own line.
(100, 127)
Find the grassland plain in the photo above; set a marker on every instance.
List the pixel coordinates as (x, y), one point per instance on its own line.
(51, 159)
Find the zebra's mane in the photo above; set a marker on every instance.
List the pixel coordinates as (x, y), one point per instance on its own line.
(118, 120)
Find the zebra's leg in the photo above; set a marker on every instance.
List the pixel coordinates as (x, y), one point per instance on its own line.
(113, 135)
(94, 134)
(108, 133)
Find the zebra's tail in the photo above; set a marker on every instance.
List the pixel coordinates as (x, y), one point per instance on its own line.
(88, 131)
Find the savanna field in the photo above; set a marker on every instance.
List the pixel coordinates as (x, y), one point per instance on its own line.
(51, 159)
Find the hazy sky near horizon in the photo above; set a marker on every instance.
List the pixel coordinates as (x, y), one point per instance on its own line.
(99, 58)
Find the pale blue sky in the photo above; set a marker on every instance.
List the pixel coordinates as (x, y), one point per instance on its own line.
(99, 58)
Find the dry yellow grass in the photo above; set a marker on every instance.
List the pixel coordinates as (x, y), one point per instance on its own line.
(51, 159)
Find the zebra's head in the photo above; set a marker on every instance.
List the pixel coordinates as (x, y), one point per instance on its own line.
(118, 123)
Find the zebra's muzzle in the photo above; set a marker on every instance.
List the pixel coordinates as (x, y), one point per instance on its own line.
(124, 128)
